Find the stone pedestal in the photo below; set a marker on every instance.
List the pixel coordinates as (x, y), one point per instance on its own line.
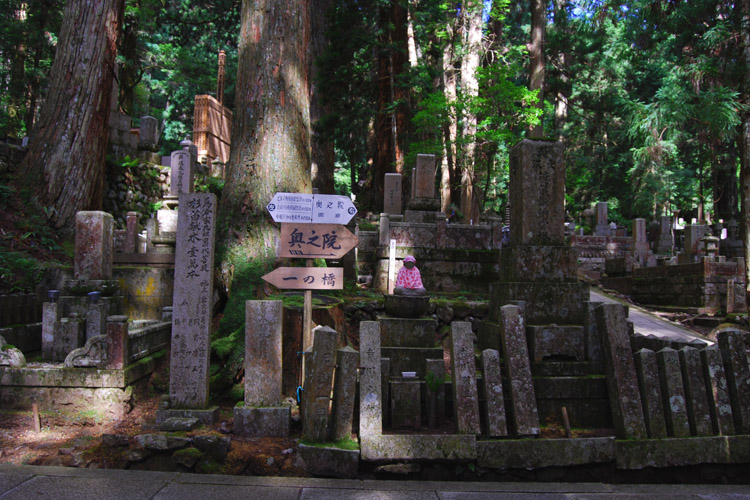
(257, 421)
(406, 403)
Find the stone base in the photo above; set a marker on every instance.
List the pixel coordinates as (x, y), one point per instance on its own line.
(424, 204)
(405, 332)
(207, 416)
(418, 447)
(642, 453)
(546, 303)
(553, 342)
(536, 453)
(410, 359)
(330, 462)
(423, 216)
(538, 263)
(261, 422)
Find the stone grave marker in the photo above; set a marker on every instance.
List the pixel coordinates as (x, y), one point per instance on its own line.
(640, 241)
(493, 394)
(193, 292)
(181, 173)
(406, 403)
(719, 403)
(117, 342)
(602, 226)
(673, 392)
(344, 389)
(465, 397)
(96, 315)
(592, 337)
(370, 411)
(648, 379)
(738, 377)
(423, 181)
(317, 393)
(94, 242)
(666, 242)
(70, 334)
(695, 392)
(131, 233)
(435, 368)
(392, 194)
(523, 414)
(148, 136)
(622, 382)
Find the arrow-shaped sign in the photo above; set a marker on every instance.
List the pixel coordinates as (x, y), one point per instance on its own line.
(306, 278)
(316, 241)
(318, 208)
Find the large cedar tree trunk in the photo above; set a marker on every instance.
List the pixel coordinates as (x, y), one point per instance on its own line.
(536, 54)
(323, 157)
(271, 127)
(66, 158)
(744, 141)
(450, 129)
(472, 21)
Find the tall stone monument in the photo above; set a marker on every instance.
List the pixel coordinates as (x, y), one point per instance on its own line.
(392, 194)
(537, 266)
(602, 226)
(423, 206)
(191, 314)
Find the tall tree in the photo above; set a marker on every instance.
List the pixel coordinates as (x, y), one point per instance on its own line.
(271, 129)
(65, 163)
(322, 156)
(744, 141)
(536, 53)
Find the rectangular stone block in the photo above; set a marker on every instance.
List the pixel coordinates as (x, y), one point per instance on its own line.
(494, 410)
(525, 453)
(406, 403)
(261, 421)
(553, 342)
(592, 337)
(70, 333)
(51, 312)
(344, 389)
(523, 411)
(695, 392)
(94, 246)
(392, 194)
(719, 403)
(560, 303)
(423, 181)
(370, 407)
(465, 397)
(419, 447)
(538, 263)
(648, 380)
(407, 332)
(263, 322)
(96, 319)
(181, 173)
(317, 394)
(117, 342)
(673, 392)
(537, 193)
(435, 371)
(738, 377)
(193, 298)
(622, 382)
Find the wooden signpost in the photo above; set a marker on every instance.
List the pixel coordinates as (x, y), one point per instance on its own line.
(311, 228)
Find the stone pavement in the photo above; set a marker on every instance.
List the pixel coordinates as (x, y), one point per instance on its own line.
(646, 323)
(22, 482)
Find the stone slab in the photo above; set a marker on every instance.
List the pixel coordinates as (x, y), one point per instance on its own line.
(556, 342)
(263, 328)
(492, 381)
(407, 332)
(94, 246)
(418, 447)
(537, 453)
(181, 173)
(392, 194)
(673, 393)
(695, 392)
(261, 421)
(642, 453)
(538, 263)
(344, 391)
(406, 403)
(176, 424)
(738, 377)
(592, 338)
(465, 394)
(329, 461)
(719, 403)
(560, 303)
(648, 380)
(317, 394)
(207, 416)
(410, 359)
(370, 395)
(423, 179)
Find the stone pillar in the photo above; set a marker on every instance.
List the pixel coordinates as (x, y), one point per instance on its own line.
(423, 180)
(344, 389)
(719, 403)
(384, 230)
(193, 295)
(640, 242)
(673, 392)
(435, 368)
(494, 410)
(622, 383)
(385, 386)
(96, 315)
(181, 173)
(93, 255)
(738, 377)
(317, 393)
(602, 226)
(51, 312)
(592, 337)
(148, 136)
(465, 398)
(131, 233)
(117, 342)
(695, 392)
(406, 403)
(648, 378)
(261, 414)
(665, 243)
(392, 194)
(523, 410)
(70, 334)
(370, 404)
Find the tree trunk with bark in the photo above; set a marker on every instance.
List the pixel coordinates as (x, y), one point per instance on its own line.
(271, 127)
(323, 158)
(744, 141)
(450, 129)
(66, 158)
(472, 24)
(536, 54)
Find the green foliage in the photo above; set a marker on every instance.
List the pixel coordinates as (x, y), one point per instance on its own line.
(19, 273)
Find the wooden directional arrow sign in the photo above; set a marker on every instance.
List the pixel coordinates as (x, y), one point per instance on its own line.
(318, 208)
(307, 278)
(316, 241)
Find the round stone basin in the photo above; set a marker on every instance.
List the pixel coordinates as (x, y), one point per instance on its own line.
(405, 306)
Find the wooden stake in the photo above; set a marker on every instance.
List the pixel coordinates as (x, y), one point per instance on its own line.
(35, 417)
(566, 423)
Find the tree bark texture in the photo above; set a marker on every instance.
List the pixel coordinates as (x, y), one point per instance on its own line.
(66, 158)
(271, 127)
(399, 66)
(744, 142)
(323, 158)
(562, 92)
(724, 177)
(450, 130)
(536, 54)
(472, 23)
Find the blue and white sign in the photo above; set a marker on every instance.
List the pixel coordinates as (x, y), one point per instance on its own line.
(318, 208)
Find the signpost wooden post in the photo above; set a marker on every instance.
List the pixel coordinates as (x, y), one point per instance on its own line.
(311, 228)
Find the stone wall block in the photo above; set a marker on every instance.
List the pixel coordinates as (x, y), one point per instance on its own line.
(344, 388)
(673, 393)
(695, 392)
(317, 393)
(465, 397)
(370, 404)
(719, 403)
(493, 393)
(647, 371)
(738, 377)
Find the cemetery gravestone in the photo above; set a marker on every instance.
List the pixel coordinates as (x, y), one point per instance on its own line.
(181, 173)
(602, 226)
(392, 194)
(370, 411)
(719, 403)
(345, 386)
(648, 379)
(94, 240)
(493, 394)
(466, 400)
(317, 393)
(673, 392)
(423, 182)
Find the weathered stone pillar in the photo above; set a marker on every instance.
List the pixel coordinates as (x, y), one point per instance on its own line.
(648, 379)
(345, 386)
(117, 345)
(719, 403)
(695, 392)
(673, 392)
(738, 377)
(93, 255)
(317, 393)
(493, 393)
(370, 404)
(465, 398)
(392, 194)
